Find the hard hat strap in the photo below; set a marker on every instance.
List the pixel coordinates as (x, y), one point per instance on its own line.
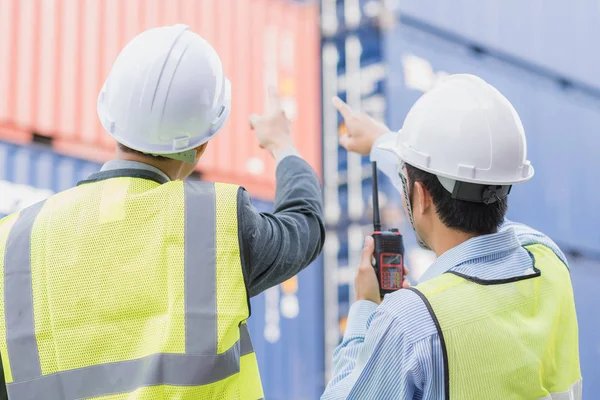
(404, 179)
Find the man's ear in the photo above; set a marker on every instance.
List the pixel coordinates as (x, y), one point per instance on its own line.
(200, 150)
(423, 199)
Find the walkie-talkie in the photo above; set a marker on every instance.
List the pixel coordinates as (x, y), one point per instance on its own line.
(389, 248)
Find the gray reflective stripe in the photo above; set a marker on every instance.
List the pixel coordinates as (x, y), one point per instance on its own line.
(245, 342)
(18, 298)
(574, 393)
(200, 269)
(127, 376)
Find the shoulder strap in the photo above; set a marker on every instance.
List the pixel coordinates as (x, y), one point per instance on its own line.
(442, 341)
(3, 393)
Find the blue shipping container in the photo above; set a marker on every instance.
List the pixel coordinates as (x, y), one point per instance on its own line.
(558, 35)
(585, 275)
(29, 174)
(287, 332)
(561, 127)
(287, 321)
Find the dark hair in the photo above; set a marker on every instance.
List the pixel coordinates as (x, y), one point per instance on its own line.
(129, 150)
(465, 216)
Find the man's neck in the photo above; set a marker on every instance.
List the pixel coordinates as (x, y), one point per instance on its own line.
(446, 238)
(169, 167)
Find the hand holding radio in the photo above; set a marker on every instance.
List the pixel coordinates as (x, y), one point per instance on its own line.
(366, 284)
(381, 269)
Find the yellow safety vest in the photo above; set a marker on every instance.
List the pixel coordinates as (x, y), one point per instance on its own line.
(508, 339)
(126, 288)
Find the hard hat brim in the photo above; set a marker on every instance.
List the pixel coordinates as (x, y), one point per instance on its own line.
(389, 144)
(394, 143)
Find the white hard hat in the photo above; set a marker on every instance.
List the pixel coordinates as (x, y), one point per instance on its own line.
(464, 130)
(166, 93)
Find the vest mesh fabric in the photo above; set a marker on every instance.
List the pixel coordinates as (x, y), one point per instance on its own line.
(248, 378)
(96, 320)
(97, 300)
(509, 340)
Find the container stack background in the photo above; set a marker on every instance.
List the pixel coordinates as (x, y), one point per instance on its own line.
(378, 55)
(56, 54)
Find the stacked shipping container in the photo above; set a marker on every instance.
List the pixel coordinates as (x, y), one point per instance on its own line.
(559, 36)
(55, 55)
(29, 174)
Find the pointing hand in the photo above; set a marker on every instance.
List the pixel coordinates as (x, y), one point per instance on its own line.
(362, 130)
(273, 128)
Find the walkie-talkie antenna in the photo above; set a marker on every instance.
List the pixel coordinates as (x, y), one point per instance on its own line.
(376, 219)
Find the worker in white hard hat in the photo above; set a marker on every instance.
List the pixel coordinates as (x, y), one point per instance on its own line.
(493, 317)
(136, 283)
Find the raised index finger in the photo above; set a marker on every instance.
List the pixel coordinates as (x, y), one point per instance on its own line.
(342, 107)
(274, 99)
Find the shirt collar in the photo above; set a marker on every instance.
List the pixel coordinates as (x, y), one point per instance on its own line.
(127, 164)
(477, 247)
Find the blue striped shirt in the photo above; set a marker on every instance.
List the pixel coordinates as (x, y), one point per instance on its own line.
(392, 351)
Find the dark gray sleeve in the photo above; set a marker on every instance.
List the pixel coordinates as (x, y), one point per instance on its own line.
(274, 247)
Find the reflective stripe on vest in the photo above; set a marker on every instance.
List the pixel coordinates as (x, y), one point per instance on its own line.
(200, 365)
(574, 393)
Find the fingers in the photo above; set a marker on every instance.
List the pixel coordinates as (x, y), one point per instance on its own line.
(253, 119)
(345, 142)
(367, 253)
(274, 99)
(342, 107)
(273, 106)
(405, 282)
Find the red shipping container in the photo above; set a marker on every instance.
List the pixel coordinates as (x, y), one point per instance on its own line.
(55, 55)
